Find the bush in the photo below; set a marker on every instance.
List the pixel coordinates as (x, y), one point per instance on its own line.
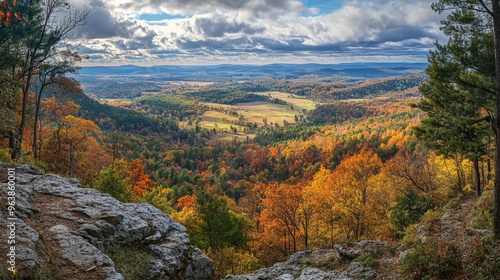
(367, 261)
(431, 260)
(484, 260)
(483, 211)
(409, 209)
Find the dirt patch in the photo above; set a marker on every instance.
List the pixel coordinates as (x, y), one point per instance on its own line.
(49, 248)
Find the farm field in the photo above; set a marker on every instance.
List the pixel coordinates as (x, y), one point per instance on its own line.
(298, 102)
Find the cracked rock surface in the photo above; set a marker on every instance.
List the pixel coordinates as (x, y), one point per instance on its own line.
(63, 225)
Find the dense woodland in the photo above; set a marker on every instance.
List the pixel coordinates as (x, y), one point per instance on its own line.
(352, 170)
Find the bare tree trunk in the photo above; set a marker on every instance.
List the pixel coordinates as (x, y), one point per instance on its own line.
(496, 30)
(477, 176)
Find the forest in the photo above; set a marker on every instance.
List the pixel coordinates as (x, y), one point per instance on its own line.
(366, 160)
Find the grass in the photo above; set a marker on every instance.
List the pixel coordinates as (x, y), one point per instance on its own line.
(130, 261)
(39, 273)
(298, 102)
(258, 111)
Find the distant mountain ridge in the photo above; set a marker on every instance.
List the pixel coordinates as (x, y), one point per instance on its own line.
(370, 70)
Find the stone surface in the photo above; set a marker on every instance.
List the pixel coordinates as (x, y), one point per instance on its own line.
(305, 265)
(57, 219)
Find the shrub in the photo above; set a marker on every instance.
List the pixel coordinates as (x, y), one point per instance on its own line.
(483, 211)
(409, 209)
(431, 260)
(484, 260)
(367, 261)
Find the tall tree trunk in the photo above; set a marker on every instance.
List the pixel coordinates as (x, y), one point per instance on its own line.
(496, 30)
(477, 176)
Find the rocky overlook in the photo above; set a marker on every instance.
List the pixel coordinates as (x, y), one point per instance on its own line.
(60, 224)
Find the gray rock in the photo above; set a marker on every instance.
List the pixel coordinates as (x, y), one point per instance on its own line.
(315, 274)
(357, 271)
(77, 250)
(285, 277)
(81, 222)
(347, 253)
(155, 270)
(200, 267)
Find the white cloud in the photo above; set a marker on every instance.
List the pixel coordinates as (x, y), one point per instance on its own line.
(224, 29)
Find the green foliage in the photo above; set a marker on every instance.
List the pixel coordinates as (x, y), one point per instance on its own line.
(160, 198)
(338, 112)
(410, 237)
(5, 155)
(484, 261)
(225, 96)
(130, 261)
(431, 260)
(409, 209)
(167, 102)
(327, 264)
(306, 262)
(220, 227)
(483, 211)
(367, 261)
(112, 181)
(431, 219)
(337, 90)
(114, 118)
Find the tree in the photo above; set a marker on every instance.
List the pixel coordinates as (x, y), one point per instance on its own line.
(52, 74)
(220, 227)
(455, 120)
(141, 182)
(113, 181)
(353, 177)
(468, 20)
(41, 42)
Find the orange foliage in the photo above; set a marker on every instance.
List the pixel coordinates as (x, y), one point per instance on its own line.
(140, 182)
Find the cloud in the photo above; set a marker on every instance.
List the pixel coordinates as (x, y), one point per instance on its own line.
(224, 29)
(256, 8)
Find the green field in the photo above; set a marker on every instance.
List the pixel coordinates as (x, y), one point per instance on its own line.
(253, 112)
(298, 102)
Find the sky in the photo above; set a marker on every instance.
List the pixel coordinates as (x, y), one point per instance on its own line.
(192, 32)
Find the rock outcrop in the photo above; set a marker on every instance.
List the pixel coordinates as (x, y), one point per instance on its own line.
(325, 264)
(59, 224)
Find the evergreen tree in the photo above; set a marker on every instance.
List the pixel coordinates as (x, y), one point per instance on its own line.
(468, 24)
(220, 227)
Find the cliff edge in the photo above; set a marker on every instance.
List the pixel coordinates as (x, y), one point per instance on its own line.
(59, 226)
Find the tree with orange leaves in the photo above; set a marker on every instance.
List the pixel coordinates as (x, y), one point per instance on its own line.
(141, 182)
(354, 182)
(280, 218)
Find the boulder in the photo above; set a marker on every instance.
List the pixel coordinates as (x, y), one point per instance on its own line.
(59, 223)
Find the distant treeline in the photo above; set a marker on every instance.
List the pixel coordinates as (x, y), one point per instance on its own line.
(225, 96)
(324, 92)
